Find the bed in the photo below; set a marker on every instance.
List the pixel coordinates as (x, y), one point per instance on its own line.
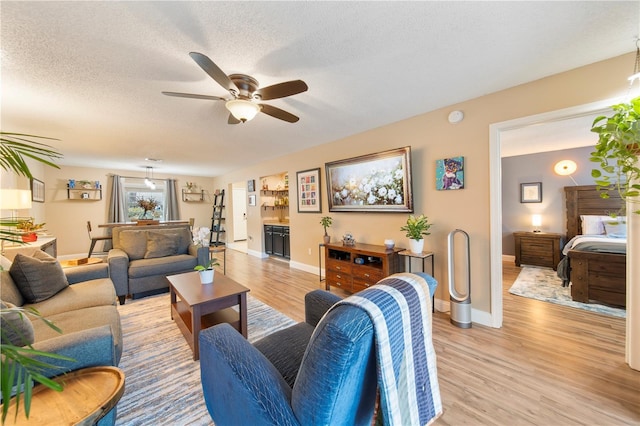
(594, 265)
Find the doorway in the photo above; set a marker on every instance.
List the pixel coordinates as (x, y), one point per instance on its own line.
(239, 209)
(496, 131)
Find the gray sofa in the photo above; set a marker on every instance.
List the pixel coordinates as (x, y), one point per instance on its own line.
(142, 256)
(86, 312)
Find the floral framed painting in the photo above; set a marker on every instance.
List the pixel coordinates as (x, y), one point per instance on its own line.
(379, 182)
(308, 182)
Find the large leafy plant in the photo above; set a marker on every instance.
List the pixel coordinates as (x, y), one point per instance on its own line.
(417, 227)
(617, 152)
(21, 366)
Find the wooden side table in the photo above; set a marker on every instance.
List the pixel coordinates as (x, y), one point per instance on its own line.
(538, 248)
(88, 395)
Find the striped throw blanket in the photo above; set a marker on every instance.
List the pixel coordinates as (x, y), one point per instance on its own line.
(400, 309)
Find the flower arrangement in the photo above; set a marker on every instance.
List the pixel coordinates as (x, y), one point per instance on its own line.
(380, 187)
(147, 205)
(200, 236)
(416, 227)
(28, 225)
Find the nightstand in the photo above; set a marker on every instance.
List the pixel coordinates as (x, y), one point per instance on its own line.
(538, 248)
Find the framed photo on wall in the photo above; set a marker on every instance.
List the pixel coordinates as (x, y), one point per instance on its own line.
(252, 200)
(379, 182)
(531, 192)
(450, 173)
(308, 182)
(37, 191)
(251, 185)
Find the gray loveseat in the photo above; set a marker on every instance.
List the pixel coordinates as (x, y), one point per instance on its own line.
(142, 256)
(81, 301)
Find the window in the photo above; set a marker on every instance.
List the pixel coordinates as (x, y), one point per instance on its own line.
(136, 190)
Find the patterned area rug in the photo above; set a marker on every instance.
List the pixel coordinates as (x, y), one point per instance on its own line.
(543, 284)
(162, 381)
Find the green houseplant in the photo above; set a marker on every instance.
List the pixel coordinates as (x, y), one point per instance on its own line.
(206, 271)
(617, 151)
(18, 366)
(326, 222)
(416, 228)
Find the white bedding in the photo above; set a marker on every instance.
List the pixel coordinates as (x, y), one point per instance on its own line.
(592, 238)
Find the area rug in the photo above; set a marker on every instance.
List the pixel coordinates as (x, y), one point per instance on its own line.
(544, 284)
(162, 382)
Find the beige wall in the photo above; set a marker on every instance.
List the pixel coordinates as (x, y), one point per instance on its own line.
(431, 137)
(66, 219)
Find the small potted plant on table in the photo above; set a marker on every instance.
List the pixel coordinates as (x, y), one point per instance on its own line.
(416, 228)
(326, 222)
(28, 229)
(206, 272)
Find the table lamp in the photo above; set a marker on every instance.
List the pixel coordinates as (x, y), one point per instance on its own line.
(14, 200)
(536, 221)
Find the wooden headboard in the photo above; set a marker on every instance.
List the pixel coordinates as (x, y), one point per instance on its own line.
(585, 199)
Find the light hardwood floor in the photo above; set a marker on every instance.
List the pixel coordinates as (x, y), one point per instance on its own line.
(547, 365)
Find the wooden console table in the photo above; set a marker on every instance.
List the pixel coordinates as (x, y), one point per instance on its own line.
(354, 268)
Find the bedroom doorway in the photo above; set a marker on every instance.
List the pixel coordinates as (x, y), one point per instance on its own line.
(498, 132)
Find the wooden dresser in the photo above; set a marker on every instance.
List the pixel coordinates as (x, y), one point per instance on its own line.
(538, 248)
(354, 268)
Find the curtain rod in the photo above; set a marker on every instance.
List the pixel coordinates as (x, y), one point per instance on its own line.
(138, 177)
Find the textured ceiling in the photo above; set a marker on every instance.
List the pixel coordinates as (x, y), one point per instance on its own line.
(91, 73)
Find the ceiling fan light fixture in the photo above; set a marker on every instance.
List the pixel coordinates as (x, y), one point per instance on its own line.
(242, 109)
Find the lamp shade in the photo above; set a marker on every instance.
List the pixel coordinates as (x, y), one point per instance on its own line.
(15, 199)
(536, 220)
(242, 109)
(565, 167)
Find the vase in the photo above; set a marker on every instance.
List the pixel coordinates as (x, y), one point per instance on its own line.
(326, 239)
(30, 237)
(206, 277)
(416, 246)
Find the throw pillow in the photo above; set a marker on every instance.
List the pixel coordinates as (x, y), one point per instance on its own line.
(160, 245)
(134, 243)
(592, 225)
(39, 277)
(16, 328)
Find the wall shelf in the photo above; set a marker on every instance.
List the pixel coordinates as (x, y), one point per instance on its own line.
(84, 194)
(193, 196)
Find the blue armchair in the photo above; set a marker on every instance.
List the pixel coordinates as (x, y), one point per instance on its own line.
(295, 376)
(336, 382)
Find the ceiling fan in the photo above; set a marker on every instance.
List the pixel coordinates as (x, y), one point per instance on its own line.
(246, 93)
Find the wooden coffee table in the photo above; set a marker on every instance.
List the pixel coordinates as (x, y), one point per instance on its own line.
(196, 306)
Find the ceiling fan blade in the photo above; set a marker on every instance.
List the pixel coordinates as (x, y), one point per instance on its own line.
(282, 90)
(190, 95)
(232, 120)
(278, 113)
(214, 72)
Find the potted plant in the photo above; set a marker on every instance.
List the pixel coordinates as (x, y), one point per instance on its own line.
(206, 271)
(416, 228)
(326, 222)
(147, 206)
(18, 367)
(617, 152)
(28, 229)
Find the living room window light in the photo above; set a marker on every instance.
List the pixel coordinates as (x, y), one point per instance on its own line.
(135, 189)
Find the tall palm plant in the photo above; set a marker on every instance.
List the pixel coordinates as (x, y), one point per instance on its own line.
(18, 367)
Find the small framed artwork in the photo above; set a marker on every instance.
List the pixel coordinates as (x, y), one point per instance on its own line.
(37, 191)
(251, 185)
(450, 173)
(252, 200)
(531, 192)
(308, 182)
